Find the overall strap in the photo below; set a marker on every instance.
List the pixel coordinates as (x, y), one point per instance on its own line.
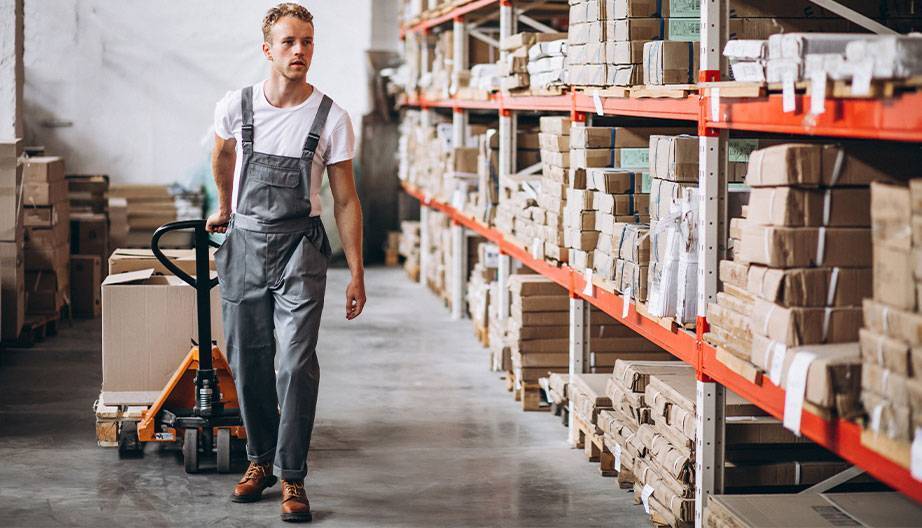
(246, 136)
(310, 144)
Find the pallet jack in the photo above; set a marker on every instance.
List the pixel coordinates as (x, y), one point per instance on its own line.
(198, 407)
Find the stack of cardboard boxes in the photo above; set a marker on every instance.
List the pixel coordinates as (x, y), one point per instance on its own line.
(547, 64)
(891, 390)
(12, 270)
(483, 276)
(555, 183)
(409, 248)
(522, 69)
(149, 207)
(94, 233)
(47, 247)
(791, 305)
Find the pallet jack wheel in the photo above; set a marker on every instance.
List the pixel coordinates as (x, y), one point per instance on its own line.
(190, 450)
(129, 446)
(224, 450)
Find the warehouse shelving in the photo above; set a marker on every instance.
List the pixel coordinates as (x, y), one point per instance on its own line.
(897, 119)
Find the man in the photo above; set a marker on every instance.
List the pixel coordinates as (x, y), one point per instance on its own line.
(273, 141)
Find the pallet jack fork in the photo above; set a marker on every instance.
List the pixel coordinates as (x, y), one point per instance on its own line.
(198, 406)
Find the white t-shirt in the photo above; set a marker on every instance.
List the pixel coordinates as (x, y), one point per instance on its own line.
(282, 131)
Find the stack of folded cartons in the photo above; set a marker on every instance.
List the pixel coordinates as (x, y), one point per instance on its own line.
(556, 390)
(891, 390)
(547, 64)
(409, 248)
(436, 253)
(12, 271)
(619, 426)
(672, 284)
(149, 207)
(606, 40)
(47, 246)
(88, 193)
(668, 62)
(587, 400)
(802, 269)
(483, 275)
(555, 183)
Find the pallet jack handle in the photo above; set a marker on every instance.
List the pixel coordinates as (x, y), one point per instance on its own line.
(202, 287)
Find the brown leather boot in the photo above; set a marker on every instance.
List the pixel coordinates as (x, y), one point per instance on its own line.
(295, 506)
(257, 478)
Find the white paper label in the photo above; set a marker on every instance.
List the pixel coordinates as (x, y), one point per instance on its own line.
(626, 302)
(645, 497)
(587, 276)
(788, 103)
(915, 462)
(777, 351)
(715, 104)
(536, 249)
(597, 101)
(618, 456)
(818, 93)
(457, 200)
(795, 390)
(861, 80)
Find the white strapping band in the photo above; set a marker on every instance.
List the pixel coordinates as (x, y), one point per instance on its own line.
(827, 206)
(886, 317)
(768, 318)
(821, 246)
(827, 312)
(796, 473)
(833, 285)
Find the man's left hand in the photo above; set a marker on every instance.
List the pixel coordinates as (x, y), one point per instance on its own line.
(355, 298)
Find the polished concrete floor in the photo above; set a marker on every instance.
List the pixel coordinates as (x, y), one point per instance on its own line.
(412, 430)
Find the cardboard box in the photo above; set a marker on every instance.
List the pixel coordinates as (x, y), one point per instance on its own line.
(810, 287)
(43, 169)
(44, 193)
(625, 52)
(801, 247)
(85, 286)
(674, 158)
(12, 291)
(896, 272)
(796, 326)
(148, 323)
(46, 292)
(893, 322)
(889, 353)
(670, 62)
(835, 371)
(664, 194)
(125, 260)
(820, 510)
(50, 258)
(811, 165)
(614, 181)
(794, 207)
(10, 182)
(555, 125)
(891, 215)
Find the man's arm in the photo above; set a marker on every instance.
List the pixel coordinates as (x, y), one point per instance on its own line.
(348, 213)
(223, 159)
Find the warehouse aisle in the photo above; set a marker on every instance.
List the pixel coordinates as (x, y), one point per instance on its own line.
(412, 430)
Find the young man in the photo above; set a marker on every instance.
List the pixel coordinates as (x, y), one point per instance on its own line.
(273, 142)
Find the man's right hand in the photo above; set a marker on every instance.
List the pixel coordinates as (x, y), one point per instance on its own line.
(217, 222)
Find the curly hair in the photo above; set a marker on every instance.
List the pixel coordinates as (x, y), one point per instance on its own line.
(283, 10)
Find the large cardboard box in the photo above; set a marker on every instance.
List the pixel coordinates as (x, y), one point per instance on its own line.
(44, 192)
(812, 164)
(85, 282)
(801, 247)
(670, 62)
(674, 158)
(125, 260)
(12, 290)
(148, 324)
(90, 235)
(793, 207)
(44, 169)
(805, 326)
(810, 287)
(820, 510)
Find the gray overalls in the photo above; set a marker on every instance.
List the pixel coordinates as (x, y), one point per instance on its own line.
(272, 267)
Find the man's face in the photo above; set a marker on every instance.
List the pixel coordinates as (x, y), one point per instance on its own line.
(291, 47)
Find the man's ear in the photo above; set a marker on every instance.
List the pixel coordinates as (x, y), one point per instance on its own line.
(266, 51)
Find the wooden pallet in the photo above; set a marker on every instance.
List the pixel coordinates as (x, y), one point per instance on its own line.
(531, 396)
(109, 419)
(593, 446)
(37, 328)
(609, 91)
(667, 91)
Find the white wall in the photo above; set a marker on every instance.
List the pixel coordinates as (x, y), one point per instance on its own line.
(128, 87)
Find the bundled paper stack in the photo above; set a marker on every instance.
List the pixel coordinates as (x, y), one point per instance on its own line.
(149, 207)
(437, 253)
(483, 275)
(409, 248)
(587, 400)
(747, 59)
(670, 62)
(891, 390)
(547, 64)
(556, 388)
(672, 278)
(802, 269)
(620, 425)
(606, 40)
(47, 241)
(555, 183)
(12, 271)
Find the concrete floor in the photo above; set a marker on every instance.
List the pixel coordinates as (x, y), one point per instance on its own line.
(412, 430)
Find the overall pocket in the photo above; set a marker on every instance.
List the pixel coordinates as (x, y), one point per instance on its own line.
(277, 192)
(230, 259)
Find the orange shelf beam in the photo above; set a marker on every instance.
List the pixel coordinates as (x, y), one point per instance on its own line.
(460, 11)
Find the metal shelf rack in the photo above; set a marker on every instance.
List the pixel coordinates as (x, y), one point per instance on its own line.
(894, 119)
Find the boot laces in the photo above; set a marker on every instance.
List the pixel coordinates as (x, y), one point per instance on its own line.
(255, 471)
(295, 489)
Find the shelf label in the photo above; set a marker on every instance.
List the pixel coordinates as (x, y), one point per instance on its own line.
(587, 276)
(818, 93)
(626, 302)
(645, 497)
(597, 101)
(618, 456)
(795, 389)
(715, 104)
(861, 79)
(788, 102)
(915, 464)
